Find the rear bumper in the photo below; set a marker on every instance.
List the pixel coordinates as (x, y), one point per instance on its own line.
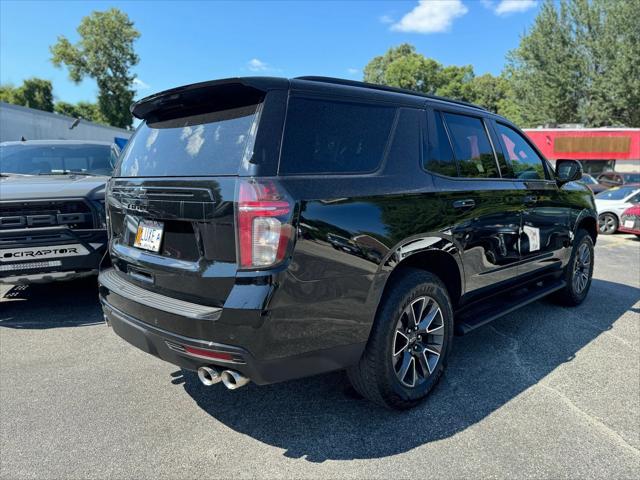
(244, 334)
(635, 231)
(634, 226)
(45, 260)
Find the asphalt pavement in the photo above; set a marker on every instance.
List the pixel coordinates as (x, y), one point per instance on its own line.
(545, 392)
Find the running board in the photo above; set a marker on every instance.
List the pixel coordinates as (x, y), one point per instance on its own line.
(475, 316)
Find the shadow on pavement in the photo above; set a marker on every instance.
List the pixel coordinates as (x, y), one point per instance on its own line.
(59, 304)
(319, 419)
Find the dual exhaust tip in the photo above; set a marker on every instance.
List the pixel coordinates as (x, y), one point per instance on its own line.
(230, 378)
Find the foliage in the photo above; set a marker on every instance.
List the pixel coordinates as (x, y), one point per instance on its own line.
(403, 67)
(33, 93)
(579, 63)
(85, 110)
(7, 93)
(544, 70)
(105, 53)
(489, 91)
(607, 37)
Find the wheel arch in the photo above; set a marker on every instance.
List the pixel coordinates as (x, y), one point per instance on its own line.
(441, 259)
(590, 224)
(612, 212)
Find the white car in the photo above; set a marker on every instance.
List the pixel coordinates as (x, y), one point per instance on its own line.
(611, 203)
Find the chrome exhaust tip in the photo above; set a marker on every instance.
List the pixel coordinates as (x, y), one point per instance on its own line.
(209, 376)
(234, 380)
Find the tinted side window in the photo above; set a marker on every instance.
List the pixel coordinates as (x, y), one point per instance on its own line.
(471, 146)
(525, 162)
(324, 136)
(440, 157)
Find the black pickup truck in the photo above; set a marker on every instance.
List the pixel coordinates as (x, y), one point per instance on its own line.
(52, 219)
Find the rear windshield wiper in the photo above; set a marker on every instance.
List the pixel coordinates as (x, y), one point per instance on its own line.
(11, 174)
(69, 172)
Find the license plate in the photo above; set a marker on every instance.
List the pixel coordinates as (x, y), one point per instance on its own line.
(149, 235)
(628, 224)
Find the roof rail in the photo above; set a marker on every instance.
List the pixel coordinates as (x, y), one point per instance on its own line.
(374, 86)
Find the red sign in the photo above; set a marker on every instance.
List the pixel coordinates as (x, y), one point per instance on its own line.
(587, 143)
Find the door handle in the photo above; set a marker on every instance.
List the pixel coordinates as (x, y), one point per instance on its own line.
(465, 204)
(530, 200)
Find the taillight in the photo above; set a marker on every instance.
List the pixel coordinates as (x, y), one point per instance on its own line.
(264, 223)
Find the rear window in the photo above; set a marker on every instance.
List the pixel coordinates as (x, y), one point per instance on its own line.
(214, 143)
(334, 137)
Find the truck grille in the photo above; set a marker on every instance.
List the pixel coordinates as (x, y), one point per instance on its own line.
(74, 214)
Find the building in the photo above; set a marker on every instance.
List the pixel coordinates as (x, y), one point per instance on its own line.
(598, 149)
(17, 122)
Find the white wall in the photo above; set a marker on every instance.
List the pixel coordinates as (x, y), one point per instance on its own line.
(17, 121)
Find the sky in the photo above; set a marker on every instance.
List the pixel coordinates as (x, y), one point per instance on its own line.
(184, 42)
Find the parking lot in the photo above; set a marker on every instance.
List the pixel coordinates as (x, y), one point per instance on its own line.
(543, 392)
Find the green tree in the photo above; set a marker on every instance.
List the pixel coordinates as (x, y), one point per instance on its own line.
(375, 70)
(607, 38)
(85, 110)
(544, 70)
(579, 63)
(33, 93)
(105, 53)
(403, 67)
(495, 94)
(7, 93)
(488, 91)
(456, 82)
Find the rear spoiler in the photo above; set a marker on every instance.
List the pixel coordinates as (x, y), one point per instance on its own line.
(212, 95)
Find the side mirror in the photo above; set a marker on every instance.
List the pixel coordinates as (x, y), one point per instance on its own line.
(568, 171)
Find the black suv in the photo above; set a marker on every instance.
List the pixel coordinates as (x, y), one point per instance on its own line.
(267, 229)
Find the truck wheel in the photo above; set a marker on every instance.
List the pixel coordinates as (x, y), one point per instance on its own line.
(607, 223)
(409, 342)
(578, 271)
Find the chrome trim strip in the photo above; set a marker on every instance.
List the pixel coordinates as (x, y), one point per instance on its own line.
(45, 277)
(118, 285)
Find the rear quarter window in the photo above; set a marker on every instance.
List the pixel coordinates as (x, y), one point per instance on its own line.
(325, 137)
(471, 146)
(440, 157)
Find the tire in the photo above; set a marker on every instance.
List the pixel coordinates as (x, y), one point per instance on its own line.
(575, 292)
(607, 224)
(379, 374)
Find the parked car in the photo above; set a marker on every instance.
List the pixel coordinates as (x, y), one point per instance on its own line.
(614, 179)
(52, 220)
(611, 203)
(592, 183)
(630, 220)
(236, 209)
